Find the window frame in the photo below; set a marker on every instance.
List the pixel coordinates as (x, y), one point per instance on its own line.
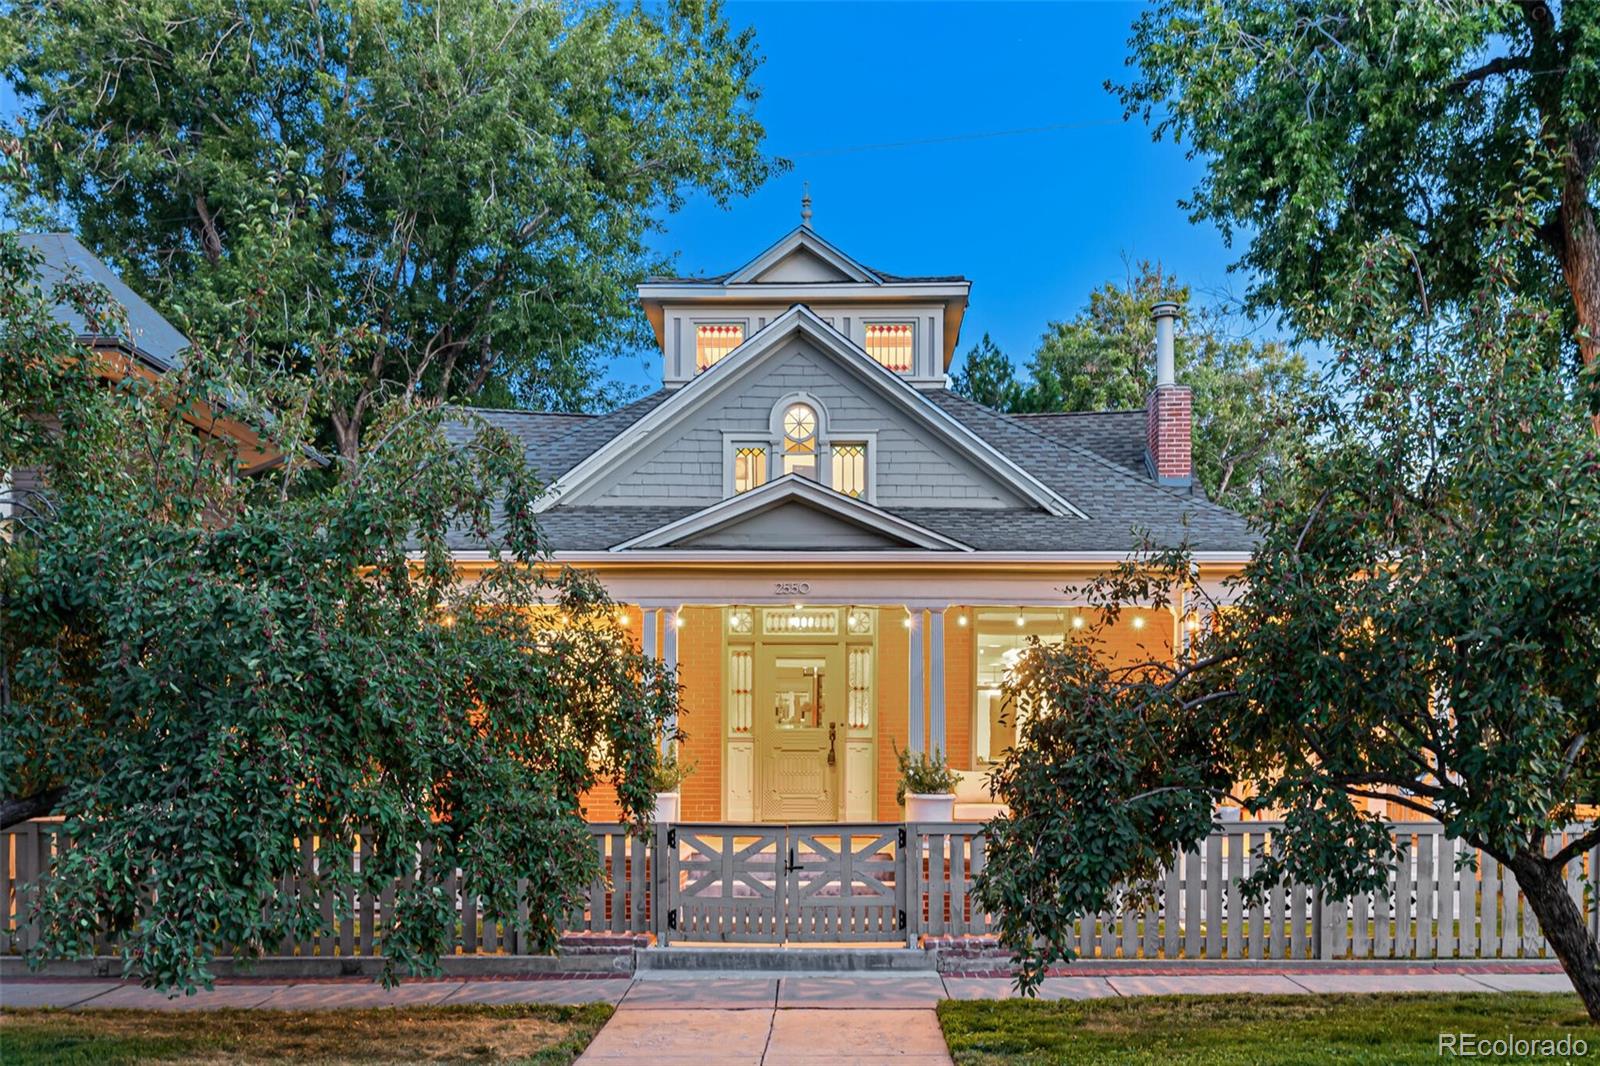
(916, 338)
(731, 445)
(824, 440)
(869, 481)
(696, 321)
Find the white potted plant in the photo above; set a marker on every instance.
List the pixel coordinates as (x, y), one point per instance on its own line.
(927, 786)
(669, 777)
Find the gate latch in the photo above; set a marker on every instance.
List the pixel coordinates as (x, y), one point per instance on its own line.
(672, 918)
(902, 918)
(672, 837)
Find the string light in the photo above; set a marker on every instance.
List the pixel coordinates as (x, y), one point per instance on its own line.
(1138, 622)
(677, 621)
(1077, 621)
(961, 619)
(1020, 622)
(622, 618)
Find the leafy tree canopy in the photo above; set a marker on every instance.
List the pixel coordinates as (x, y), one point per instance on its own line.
(201, 671)
(1420, 624)
(1327, 125)
(467, 186)
(1247, 394)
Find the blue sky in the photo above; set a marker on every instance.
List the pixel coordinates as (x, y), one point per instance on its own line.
(1036, 220)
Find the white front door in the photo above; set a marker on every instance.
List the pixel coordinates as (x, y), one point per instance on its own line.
(799, 731)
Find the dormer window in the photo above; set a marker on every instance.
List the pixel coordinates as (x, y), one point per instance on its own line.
(800, 440)
(713, 340)
(891, 344)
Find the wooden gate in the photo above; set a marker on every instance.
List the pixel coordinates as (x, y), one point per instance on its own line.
(784, 883)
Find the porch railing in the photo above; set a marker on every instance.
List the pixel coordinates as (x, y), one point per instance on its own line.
(1431, 909)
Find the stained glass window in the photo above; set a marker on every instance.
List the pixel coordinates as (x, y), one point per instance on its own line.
(800, 440)
(749, 468)
(849, 468)
(891, 343)
(713, 340)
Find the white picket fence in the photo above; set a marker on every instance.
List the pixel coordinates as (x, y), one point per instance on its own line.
(1432, 908)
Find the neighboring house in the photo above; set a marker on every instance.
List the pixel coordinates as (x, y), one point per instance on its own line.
(149, 347)
(841, 556)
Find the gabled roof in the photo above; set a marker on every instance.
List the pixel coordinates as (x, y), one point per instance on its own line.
(150, 336)
(745, 359)
(792, 490)
(803, 240)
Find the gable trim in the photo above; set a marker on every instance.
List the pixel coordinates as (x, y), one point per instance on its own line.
(803, 238)
(801, 319)
(786, 489)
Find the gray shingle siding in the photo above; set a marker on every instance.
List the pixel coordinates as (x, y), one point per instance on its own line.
(911, 464)
(1084, 458)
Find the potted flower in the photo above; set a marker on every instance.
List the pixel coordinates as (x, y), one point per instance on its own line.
(668, 779)
(927, 786)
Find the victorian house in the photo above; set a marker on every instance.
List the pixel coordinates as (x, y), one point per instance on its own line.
(841, 556)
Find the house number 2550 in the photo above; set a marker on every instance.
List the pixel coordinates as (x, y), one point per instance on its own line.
(791, 588)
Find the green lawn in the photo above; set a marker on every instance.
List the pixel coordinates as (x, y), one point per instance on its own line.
(1227, 1030)
(528, 1034)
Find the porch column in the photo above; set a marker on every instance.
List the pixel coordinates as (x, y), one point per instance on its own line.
(669, 656)
(917, 743)
(936, 682)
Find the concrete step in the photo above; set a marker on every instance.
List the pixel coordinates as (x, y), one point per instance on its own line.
(786, 960)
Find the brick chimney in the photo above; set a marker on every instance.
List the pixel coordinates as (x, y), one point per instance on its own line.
(1168, 410)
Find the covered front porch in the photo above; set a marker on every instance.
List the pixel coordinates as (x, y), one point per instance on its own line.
(801, 685)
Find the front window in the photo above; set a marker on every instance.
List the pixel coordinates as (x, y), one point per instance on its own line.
(891, 344)
(1001, 638)
(713, 340)
(800, 440)
(849, 469)
(749, 467)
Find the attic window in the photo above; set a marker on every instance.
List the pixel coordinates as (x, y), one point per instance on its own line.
(891, 344)
(800, 441)
(713, 340)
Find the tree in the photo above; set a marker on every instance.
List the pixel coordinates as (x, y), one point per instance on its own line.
(468, 185)
(1327, 125)
(1418, 624)
(987, 376)
(1247, 394)
(201, 671)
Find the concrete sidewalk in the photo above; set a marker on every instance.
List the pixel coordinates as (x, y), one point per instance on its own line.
(757, 1018)
(740, 990)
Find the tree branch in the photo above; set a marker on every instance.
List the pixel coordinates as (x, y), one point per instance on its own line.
(1498, 65)
(14, 809)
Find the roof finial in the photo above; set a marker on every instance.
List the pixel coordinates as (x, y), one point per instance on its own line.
(805, 204)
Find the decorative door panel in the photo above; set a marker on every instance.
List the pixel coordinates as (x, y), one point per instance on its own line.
(783, 884)
(799, 728)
